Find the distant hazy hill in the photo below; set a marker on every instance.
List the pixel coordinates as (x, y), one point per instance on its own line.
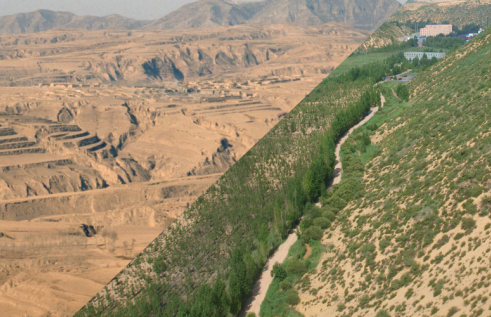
(363, 14)
(44, 20)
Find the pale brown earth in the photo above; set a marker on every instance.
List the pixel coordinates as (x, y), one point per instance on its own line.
(88, 135)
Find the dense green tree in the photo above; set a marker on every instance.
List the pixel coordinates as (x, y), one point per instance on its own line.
(278, 272)
(402, 92)
(312, 233)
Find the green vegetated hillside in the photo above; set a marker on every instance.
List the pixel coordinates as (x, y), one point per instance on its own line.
(410, 223)
(387, 34)
(457, 14)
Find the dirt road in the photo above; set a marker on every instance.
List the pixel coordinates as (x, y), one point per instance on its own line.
(338, 169)
(259, 291)
(253, 305)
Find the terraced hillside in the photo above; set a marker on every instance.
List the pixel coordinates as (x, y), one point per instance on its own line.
(413, 237)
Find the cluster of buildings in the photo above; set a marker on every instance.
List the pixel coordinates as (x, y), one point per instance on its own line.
(469, 36)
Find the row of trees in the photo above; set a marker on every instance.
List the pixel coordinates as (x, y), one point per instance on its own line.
(441, 41)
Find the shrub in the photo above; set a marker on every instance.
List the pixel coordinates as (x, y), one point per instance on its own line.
(468, 223)
(459, 235)
(292, 297)
(396, 284)
(322, 222)
(312, 233)
(383, 244)
(278, 272)
(364, 299)
(438, 288)
(295, 267)
(382, 313)
(409, 293)
(402, 92)
(452, 311)
(329, 215)
(159, 266)
(337, 202)
(284, 285)
(251, 315)
(434, 310)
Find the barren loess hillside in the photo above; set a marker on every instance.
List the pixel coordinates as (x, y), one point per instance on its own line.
(412, 238)
(107, 136)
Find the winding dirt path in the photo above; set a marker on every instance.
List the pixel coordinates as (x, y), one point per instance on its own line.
(395, 95)
(253, 304)
(338, 168)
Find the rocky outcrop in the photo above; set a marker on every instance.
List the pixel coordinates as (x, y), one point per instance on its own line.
(219, 162)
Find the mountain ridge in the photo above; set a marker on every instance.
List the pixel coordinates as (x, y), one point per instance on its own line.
(44, 20)
(215, 13)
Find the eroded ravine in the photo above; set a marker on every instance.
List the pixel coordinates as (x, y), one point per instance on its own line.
(260, 289)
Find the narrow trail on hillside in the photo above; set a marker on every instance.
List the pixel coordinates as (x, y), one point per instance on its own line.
(253, 304)
(395, 95)
(338, 169)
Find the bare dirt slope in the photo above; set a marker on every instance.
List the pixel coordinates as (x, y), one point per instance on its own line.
(107, 136)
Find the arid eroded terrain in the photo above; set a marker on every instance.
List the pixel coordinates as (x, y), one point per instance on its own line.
(106, 137)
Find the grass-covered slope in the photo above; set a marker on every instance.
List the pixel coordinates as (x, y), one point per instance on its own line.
(387, 34)
(457, 13)
(415, 238)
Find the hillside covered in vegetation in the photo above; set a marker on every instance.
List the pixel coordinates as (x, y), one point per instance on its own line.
(456, 13)
(410, 223)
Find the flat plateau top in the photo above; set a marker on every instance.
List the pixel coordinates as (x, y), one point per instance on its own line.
(24, 159)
